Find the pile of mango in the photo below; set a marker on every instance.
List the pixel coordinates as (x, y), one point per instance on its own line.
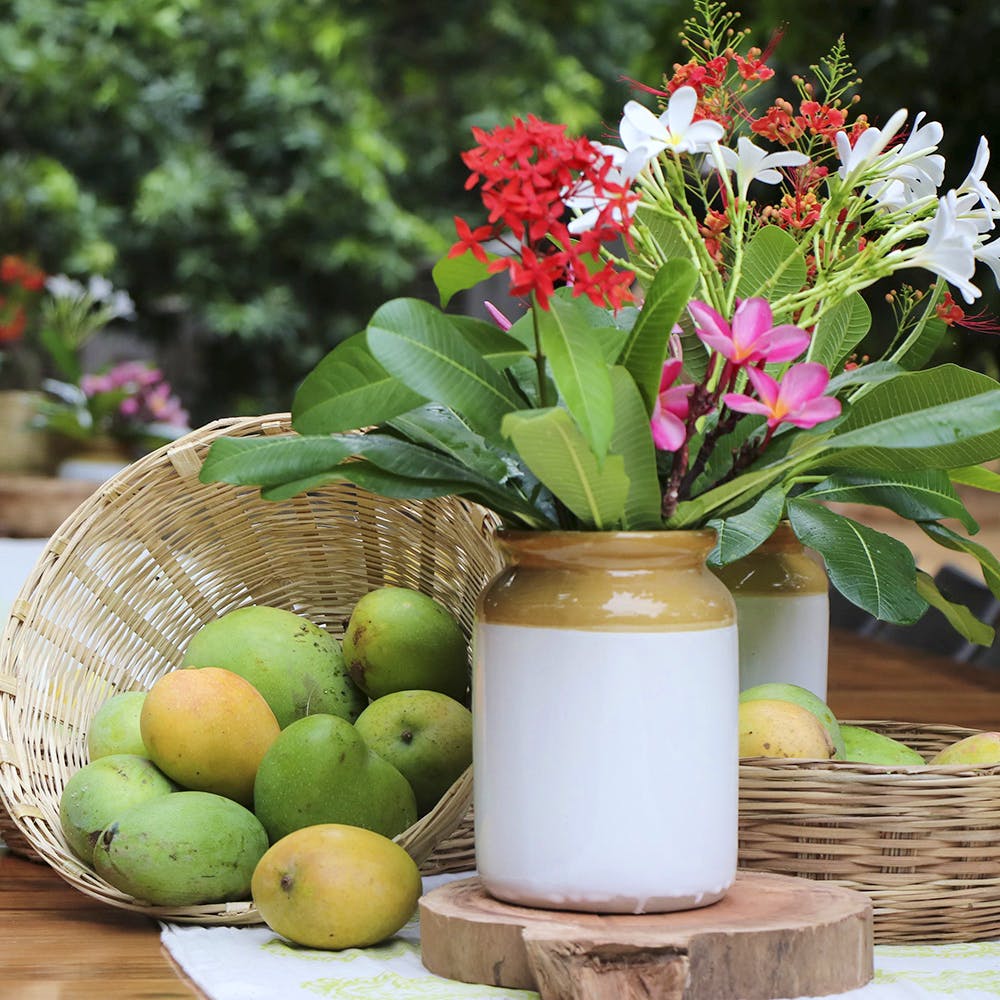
(787, 721)
(277, 763)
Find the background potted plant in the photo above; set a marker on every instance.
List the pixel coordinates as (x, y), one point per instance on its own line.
(741, 388)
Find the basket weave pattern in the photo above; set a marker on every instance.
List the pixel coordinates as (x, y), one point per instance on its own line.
(154, 554)
(922, 842)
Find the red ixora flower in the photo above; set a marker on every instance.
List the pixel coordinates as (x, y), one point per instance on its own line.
(528, 173)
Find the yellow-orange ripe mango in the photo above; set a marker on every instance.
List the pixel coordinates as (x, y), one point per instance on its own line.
(208, 729)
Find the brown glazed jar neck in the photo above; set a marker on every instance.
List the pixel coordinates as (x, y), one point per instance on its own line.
(781, 565)
(607, 581)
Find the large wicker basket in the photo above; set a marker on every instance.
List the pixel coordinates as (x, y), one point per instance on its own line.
(922, 842)
(133, 573)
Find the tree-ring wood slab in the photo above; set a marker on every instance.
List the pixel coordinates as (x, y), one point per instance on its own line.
(770, 936)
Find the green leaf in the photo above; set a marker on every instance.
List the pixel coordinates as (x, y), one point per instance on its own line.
(419, 346)
(871, 569)
(741, 534)
(918, 496)
(579, 371)
(373, 479)
(773, 265)
(552, 446)
(923, 348)
(958, 543)
(941, 418)
(961, 619)
(872, 374)
(489, 341)
(348, 390)
(977, 477)
(455, 274)
(839, 331)
(270, 461)
(665, 234)
(645, 349)
(632, 440)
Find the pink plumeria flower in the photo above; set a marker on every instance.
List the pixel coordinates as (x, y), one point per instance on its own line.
(670, 411)
(752, 337)
(797, 400)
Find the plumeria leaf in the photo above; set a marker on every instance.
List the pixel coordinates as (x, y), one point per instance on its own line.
(870, 374)
(741, 534)
(455, 274)
(645, 349)
(977, 477)
(961, 619)
(773, 265)
(918, 496)
(664, 235)
(553, 448)
(418, 344)
(839, 331)
(941, 418)
(871, 569)
(438, 427)
(631, 439)
(373, 479)
(272, 461)
(349, 389)
(921, 348)
(499, 349)
(579, 371)
(959, 543)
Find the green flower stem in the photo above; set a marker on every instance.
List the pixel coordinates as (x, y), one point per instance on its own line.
(539, 355)
(916, 333)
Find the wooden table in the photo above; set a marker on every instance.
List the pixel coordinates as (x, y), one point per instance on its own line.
(58, 943)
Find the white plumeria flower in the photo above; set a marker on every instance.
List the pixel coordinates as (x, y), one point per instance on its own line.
(868, 147)
(912, 171)
(751, 163)
(951, 248)
(99, 288)
(974, 183)
(583, 198)
(60, 286)
(989, 254)
(675, 129)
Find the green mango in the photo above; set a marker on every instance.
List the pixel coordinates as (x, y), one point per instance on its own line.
(777, 691)
(101, 791)
(399, 639)
(297, 666)
(182, 849)
(865, 746)
(320, 770)
(115, 726)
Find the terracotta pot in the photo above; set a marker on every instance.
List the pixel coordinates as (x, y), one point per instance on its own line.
(605, 732)
(782, 601)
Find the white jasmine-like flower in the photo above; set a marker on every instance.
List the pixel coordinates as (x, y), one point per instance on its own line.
(974, 183)
(120, 306)
(675, 129)
(868, 147)
(60, 286)
(912, 171)
(750, 163)
(99, 288)
(970, 208)
(989, 254)
(583, 199)
(951, 248)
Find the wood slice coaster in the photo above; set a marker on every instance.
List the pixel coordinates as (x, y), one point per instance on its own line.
(771, 936)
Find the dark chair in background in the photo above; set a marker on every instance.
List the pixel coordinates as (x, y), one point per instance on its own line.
(932, 633)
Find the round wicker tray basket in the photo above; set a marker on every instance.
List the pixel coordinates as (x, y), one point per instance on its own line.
(922, 842)
(138, 567)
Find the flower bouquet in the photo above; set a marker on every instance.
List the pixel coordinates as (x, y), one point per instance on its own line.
(696, 349)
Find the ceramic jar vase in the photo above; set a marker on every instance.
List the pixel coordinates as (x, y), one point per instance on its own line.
(605, 735)
(782, 601)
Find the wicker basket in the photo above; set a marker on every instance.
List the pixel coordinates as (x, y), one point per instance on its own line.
(137, 568)
(922, 842)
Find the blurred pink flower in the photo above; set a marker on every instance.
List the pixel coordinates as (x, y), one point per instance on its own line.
(797, 400)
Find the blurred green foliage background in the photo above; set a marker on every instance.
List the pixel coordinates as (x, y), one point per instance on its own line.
(261, 174)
